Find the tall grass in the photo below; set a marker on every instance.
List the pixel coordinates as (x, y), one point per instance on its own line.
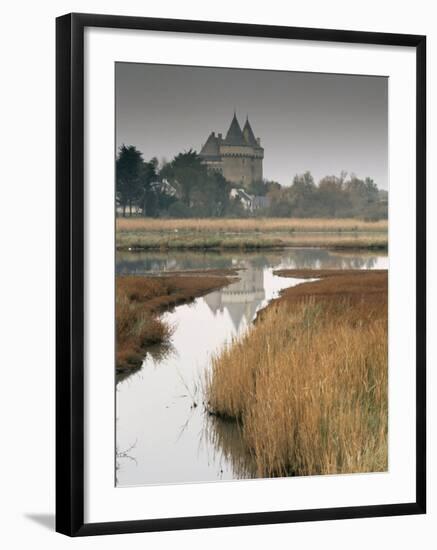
(247, 240)
(140, 300)
(308, 384)
(249, 224)
(247, 234)
(137, 326)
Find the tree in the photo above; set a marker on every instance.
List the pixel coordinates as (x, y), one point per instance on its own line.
(211, 197)
(302, 194)
(271, 185)
(371, 190)
(203, 192)
(185, 187)
(129, 171)
(149, 199)
(187, 172)
(333, 199)
(280, 203)
(361, 193)
(261, 188)
(256, 188)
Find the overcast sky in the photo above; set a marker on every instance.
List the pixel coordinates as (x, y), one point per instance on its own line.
(323, 123)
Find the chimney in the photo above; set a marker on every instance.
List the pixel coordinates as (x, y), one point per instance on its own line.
(258, 140)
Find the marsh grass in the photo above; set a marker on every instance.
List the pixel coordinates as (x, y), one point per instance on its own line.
(136, 328)
(260, 225)
(139, 302)
(308, 382)
(248, 234)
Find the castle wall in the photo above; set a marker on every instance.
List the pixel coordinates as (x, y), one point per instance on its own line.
(238, 169)
(215, 165)
(258, 169)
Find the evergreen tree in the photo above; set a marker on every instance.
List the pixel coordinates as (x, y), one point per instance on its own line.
(129, 171)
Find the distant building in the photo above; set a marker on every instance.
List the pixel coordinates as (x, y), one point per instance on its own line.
(239, 156)
(164, 187)
(250, 202)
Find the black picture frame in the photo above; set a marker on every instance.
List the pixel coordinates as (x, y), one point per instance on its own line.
(70, 273)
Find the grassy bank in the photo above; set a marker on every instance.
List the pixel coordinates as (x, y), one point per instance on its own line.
(140, 300)
(249, 224)
(308, 382)
(216, 234)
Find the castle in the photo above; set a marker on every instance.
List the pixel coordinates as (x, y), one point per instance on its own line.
(241, 299)
(239, 157)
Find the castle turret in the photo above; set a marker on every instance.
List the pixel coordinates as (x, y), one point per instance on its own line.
(258, 151)
(248, 134)
(210, 152)
(239, 156)
(234, 135)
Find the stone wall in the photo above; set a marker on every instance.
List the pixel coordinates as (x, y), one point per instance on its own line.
(238, 169)
(239, 164)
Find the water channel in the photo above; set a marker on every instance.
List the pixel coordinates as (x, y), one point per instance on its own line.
(163, 433)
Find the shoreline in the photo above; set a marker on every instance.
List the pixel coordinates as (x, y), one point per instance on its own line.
(307, 352)
(383, 247)
(221, 234)
(357, 286)
(140, 300)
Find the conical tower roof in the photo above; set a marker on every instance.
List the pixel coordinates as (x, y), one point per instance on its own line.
(248, 134)
(211, 149)
(235, 135)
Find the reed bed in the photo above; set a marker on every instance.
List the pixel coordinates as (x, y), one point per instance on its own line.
(136, 328)
(308, 382)
(247, 241)
(140, 300)
(249, 224)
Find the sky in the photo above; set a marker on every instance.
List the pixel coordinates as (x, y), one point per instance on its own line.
(324, 123)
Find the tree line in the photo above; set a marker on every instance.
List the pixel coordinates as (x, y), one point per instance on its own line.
(334, 197)
(184, 187)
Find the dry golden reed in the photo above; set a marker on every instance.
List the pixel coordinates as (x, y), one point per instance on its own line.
(308, 384)
(249, 224)
(137, 326)
(140, 299)
(248, 234)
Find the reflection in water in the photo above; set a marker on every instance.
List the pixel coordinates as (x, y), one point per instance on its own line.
(224, 438)
(121, 456)
(297, 258)
(241, 299)
(156, 353)
(160, 416)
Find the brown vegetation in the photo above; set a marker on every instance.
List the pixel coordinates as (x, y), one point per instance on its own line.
(364, 276)
(249, 224)
(248, 234)
(139, 300)
(308, 382)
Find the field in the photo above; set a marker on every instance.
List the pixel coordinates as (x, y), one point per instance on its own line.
(140, 300)
(307, 384)
(253, 233)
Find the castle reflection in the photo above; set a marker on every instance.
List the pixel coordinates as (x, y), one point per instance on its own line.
(138, 263)
(241, 299)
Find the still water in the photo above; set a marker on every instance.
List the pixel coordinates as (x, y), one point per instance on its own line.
(163, 433)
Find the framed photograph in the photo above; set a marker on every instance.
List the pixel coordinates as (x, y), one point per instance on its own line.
(240, 274)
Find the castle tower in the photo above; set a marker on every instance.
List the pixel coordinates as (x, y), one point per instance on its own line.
(240, 299)
(258, 151)
(238, 157)
(210, 152)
